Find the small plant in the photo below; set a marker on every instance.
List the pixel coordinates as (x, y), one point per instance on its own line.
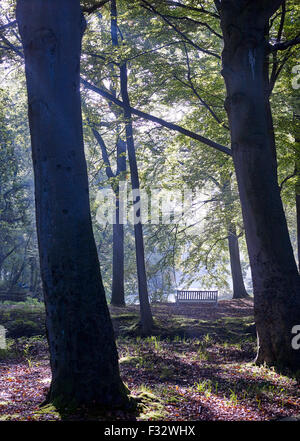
(155, 341)
(216, 387)
(258, 400)
(245, 394)
(207, 340)
(10, 352)
(204, 387)
(203, 354)
(26, 354)
(233, 399)
(177, 339)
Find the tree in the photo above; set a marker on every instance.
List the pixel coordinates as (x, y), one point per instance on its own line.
(275, 277)
(238, 286)
(117, 290)
(146, 314)
(249, 80)
(245, 59)
(83, 354)
(16, 197)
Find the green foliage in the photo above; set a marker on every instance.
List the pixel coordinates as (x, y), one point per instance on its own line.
(24, 328)
(172, 54)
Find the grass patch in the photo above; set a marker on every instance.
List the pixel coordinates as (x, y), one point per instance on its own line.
(150, 405)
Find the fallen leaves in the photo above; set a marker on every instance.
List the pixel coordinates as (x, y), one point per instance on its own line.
(190, 379)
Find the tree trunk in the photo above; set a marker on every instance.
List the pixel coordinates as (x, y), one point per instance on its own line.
(146, 314)
(238, 287)
(145, 309)
(239, 290)
(118, 292)
(297, 185)
(298, 224)
(276, 281)
(83, 355)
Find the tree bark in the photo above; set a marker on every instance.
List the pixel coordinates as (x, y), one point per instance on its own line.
(238, 286)
(297, 170)
(298, 225)
(83, 355)
(118, 291)
(276, 280)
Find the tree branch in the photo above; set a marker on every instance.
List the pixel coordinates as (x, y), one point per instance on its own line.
(274, 75)
(149, 7)
(93, 8)
(191, 86)
(196, 22)
(192, 8)
(8, 25)
(11, 46)
(105, 157)
(285, 44)
(287, 178)
(159, 121)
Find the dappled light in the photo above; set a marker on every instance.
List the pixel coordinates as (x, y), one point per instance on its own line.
(149, 213)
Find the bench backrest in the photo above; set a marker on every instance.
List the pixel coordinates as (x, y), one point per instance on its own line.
(197, 296)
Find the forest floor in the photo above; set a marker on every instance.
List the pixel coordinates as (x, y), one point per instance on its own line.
(197, 365)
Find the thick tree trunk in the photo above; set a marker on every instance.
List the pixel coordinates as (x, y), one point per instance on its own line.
(276, 280)
(83, 355)
(238, 286)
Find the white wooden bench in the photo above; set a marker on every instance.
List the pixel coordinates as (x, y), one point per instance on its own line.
(195, 296)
